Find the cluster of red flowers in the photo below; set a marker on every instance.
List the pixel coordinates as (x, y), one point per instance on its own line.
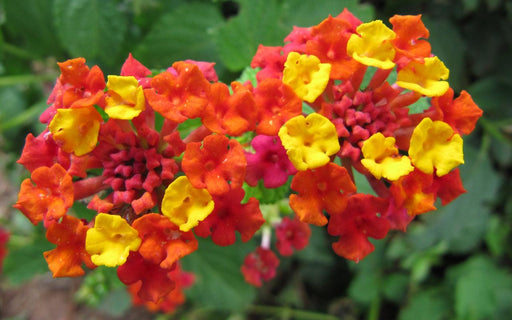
(125, 146)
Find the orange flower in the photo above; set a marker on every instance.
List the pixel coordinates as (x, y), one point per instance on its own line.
(48, 196)
(329, 43)
(218, 166)
(324, 188)
(179, 96)
(69, 236)
(413, 193)
(230, 114)
(408, 45)
(276, 103)
(162, 242)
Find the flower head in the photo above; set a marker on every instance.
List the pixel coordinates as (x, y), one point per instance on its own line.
(259, 265)
(306, 75)
(110, 240)
(309, 141)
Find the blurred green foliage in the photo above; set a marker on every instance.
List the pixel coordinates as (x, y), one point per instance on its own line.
(454, 263)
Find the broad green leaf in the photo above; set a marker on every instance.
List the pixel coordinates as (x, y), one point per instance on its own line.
(494, 96)
(482, 289)
(498, 231)
(470, 5)
(184, 33)
(219, 283)
(257, 23)
(93, 29)
(309, 13)
(30, 23)
(430, 304)
(394, 287)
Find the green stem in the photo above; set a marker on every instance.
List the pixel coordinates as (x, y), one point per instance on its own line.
(25, 79)
(23, 117)
(373, 313)
(18, 52)
(289, 312)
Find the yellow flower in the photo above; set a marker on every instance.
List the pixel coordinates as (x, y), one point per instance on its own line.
(309, 141)
(185, 205)
(373, 47)
(76, 130)
(435, 145)
(424, 77)
(110, 241)
(125, 99)
(382, 160)
(306, 75)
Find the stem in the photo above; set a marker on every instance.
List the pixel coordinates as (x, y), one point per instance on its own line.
(23, 117)
(378, 78)
(373, 314)
(266, 237)
(25, 79)
(197, 135)
(18, 52)
(293, 313)
(88, 187)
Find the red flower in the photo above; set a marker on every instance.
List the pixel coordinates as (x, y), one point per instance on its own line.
(292, 234)
(229, 216)
(155, 281)
(4, 238)
(324, 188)
(173, 299)
(69, 236)
(162, 241)
(363, 217)
(218, 166)
(50, 197)
(259, 265)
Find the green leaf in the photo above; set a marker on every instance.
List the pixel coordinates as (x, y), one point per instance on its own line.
(481, 289)
(25, 256)
(309, 13)
(430, 304)
(498, 231)
(30, 22)
(184, 33)
(93, 29)
(257, 23)
(219, 282)
(494, 96)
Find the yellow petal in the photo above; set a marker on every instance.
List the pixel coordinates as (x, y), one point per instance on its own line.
(425, 77)
(125, 97)
(373, 46)
(110, 241)
(76, 130)
(306, 75)
(435, 145)
(185, 205)
(382, 159)
(309, 141)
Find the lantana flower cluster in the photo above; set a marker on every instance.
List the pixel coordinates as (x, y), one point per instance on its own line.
(163, 158)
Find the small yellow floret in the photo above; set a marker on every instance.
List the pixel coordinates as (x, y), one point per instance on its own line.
(309, 141)
(435, 145)
(306, 75)
(125, 98)
(373, 46)
(381, 158)
(425, 77)
(110, 241)
(76, 130)
(185, 205)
